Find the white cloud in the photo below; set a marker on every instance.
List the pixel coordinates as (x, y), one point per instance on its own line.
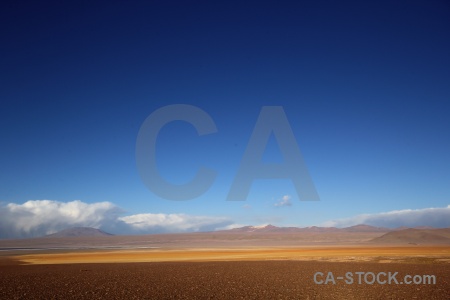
(232, 226)
(436, 217)
(173, 222)
(284, 201)
(41, 217)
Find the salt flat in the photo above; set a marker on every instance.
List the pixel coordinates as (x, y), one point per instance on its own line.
(320, 253)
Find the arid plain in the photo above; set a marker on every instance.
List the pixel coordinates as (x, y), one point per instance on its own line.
(245, 264)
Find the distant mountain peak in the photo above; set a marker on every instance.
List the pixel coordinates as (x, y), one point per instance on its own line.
(365, 228)
(263, 226)
(79, 232)
(415, 236)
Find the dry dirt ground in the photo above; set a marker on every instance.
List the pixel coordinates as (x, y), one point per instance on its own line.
(327, 253)
(284, 273)
(213, 280)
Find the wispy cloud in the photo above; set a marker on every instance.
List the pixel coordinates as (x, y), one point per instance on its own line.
(41, 217)
(436, 217)
(284, 201)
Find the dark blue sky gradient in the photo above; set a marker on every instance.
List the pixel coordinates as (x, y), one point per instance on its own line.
(365, 86)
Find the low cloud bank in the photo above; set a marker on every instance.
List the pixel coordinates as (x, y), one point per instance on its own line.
(435, 217)
(40, 217)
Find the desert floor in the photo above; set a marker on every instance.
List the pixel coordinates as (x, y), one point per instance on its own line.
(214, 280)
(271, 273)
(317, 253)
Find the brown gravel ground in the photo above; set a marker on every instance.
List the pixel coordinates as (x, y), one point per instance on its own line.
(213, 280)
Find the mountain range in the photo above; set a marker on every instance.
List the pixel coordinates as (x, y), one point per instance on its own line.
(89, 231)
(361, 232)
(313, 229)
(251, 236)
(263, 229)
(415, 236)
(79, 232)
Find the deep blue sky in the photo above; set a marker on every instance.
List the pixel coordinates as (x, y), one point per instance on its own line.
(365, 86)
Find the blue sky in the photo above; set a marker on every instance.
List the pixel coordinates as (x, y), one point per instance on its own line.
(365, 87)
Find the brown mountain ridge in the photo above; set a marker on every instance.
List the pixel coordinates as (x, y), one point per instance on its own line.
(312, 229)
(79, 232)
(415, 236)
